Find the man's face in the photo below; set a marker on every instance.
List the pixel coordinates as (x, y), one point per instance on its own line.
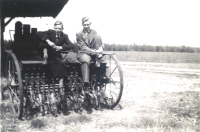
(86, 26)
(58, 28)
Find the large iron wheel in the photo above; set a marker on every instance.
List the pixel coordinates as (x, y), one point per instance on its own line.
(15, 85)
(114, 85)
(109, 87)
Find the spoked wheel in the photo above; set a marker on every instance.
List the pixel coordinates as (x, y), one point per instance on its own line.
(15, 85)
(114, 83)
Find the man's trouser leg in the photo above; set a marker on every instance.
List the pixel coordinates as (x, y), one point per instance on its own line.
(85, 60)
(85, 72)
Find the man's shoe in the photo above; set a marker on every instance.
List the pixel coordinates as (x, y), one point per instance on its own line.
(66, 111)
(89, 109)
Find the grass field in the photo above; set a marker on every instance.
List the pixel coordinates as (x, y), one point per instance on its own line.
(158, 96)
(160, 57)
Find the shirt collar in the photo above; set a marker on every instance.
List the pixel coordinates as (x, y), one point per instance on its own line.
(61, 34)
(86, 31)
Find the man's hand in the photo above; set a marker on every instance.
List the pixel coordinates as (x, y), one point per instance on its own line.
(58, 48)
(45, 53)
(50, 43)
(99, 55)
(99, 50)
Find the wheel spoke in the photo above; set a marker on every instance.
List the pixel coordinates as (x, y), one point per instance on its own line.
(113, 92)
(12, 74)
(113, 82)
(12, 81)
(14, 93)
(113, 70)
(9, 75)
(11, 78)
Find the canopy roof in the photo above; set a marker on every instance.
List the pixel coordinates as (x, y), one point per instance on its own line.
(32, 8)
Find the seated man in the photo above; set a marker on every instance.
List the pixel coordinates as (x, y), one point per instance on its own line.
(52, 42)
(88, 40)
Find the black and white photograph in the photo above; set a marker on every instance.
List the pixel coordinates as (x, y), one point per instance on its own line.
(100, 66)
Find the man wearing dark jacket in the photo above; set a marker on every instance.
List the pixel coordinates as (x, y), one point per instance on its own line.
(52, 41)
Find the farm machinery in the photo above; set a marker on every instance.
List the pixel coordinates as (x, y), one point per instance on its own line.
(31, 85)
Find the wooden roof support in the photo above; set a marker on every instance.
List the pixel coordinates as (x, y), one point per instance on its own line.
(8, 21)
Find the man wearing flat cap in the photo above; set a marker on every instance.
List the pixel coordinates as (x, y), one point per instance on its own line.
(88, 40)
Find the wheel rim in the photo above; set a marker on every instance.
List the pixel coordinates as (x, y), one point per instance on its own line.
(114, 85)
(15, 84)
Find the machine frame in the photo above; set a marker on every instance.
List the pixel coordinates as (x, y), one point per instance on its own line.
(30, 85)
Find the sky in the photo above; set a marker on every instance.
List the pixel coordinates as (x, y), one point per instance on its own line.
(150, 22)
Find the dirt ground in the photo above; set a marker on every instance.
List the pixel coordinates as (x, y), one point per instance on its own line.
(145, 87)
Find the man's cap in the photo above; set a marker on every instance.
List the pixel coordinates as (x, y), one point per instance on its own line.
(86, 19)
(58, 23)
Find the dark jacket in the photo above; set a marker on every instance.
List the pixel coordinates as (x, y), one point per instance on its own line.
(54, 56)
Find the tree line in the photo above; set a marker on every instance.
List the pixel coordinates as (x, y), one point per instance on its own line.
(135, 47)
(150, 48)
